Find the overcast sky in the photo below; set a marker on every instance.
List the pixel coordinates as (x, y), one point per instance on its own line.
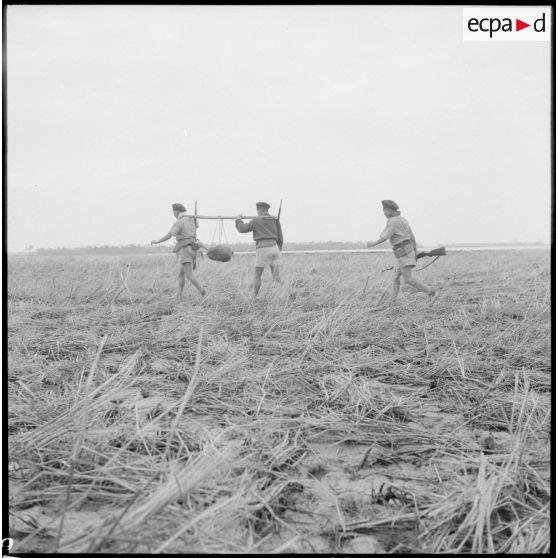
(330, 108)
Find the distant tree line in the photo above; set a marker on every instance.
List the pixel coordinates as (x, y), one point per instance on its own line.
(235, 247)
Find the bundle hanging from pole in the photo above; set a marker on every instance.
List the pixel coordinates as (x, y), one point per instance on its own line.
(220, 252)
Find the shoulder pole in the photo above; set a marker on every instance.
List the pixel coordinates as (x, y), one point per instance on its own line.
(279, 212)
(231, 217)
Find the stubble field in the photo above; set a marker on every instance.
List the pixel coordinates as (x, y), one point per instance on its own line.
(309, 421)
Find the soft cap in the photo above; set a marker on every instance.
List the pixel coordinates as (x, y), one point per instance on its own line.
(390, 204)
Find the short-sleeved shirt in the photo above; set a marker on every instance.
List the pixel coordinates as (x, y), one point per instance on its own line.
(184, 229)
(397, 230)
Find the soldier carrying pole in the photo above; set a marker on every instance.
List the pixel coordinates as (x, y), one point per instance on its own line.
(268, 235)
(184, 230)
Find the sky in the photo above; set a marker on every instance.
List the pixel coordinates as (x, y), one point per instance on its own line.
(115, 112)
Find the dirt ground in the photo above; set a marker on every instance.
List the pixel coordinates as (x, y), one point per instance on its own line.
(315, 419)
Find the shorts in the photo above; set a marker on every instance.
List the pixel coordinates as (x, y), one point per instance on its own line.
(186, 255)
(406, 261)
(268, 256)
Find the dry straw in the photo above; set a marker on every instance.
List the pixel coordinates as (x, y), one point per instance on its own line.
(292, 423)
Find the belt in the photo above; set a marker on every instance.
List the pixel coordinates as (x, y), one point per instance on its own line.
(185, 241)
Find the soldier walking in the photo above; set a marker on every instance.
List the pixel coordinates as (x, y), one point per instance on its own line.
(184, 230)
(402, 239)
(268, 235)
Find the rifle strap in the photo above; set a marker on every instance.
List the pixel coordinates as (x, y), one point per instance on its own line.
(415, 270)
(428, 264)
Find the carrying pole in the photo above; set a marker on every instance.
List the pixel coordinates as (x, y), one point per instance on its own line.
(224, 217)
(196, 219)
(221, 217)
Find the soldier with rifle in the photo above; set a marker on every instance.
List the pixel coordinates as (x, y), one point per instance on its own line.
(402, 239)
(268, 235)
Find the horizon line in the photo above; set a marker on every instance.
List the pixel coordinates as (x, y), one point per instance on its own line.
(142, 247)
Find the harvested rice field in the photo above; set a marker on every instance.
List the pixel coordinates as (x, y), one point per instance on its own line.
(310, 421)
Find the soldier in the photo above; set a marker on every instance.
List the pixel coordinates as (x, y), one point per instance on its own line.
(184, 229)
(404, 245)
(269, 243)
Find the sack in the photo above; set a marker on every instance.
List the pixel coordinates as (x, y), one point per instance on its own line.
(220, 253)
(403, 249)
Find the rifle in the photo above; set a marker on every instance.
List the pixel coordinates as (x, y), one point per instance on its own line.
(279, 224)
(436, 253)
